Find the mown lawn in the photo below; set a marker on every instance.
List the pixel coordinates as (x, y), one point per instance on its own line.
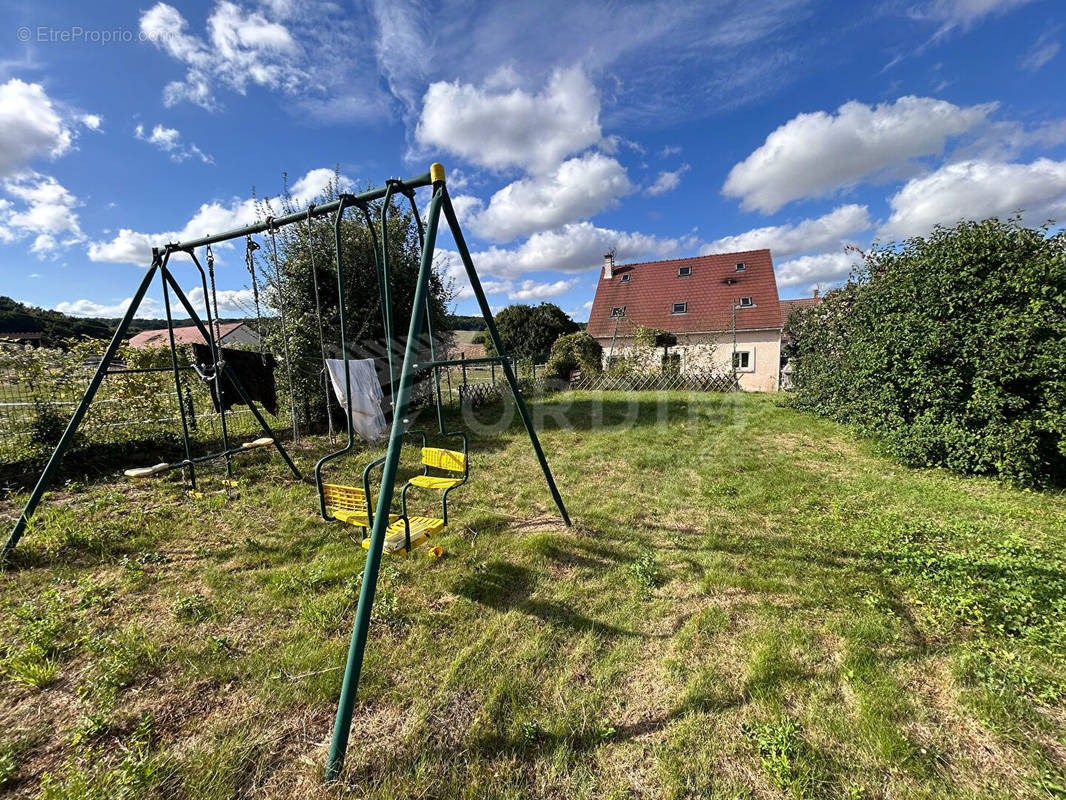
(751, 604)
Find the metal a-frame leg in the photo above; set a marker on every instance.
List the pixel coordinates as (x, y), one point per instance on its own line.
(79, 413)
(490, 325)
(346, 703)
(229, 372)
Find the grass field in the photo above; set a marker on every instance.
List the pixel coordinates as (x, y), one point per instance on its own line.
(750, 604)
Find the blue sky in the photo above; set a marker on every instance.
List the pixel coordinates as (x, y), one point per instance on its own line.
(660, 129)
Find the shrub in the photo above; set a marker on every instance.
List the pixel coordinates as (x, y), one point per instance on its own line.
(949, 347)
(573, 351)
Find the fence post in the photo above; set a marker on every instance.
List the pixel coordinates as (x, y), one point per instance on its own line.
(463, 357)
(492, 367)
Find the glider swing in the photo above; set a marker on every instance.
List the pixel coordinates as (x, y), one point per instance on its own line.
(354, 504)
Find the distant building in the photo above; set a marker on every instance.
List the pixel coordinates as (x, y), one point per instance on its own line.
(708, 303)
(31, 338)
(233, 334)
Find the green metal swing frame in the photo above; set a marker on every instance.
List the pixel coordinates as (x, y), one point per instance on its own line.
(440, 204)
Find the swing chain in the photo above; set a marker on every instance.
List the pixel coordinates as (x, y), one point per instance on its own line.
(272, 228)
(250, 246)
(318, 314)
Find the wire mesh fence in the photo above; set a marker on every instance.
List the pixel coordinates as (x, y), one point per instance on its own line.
(692, 381)
(40, 391)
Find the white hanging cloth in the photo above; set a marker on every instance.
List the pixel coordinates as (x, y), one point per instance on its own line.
(367, 418)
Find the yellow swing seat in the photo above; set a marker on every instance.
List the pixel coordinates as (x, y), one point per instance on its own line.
(348, 504)
(422, 528)
(434, 482)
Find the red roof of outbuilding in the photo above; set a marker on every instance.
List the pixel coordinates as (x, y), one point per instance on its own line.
(187, 335)
(800, 302)
(654, 286)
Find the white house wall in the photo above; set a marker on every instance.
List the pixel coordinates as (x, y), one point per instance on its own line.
(701, 352)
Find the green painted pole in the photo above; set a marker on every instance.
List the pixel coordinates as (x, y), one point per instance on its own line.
(215, 347)
(429, 316)
(177, 373)
(232, 375)
(346, 704)
(344, 355)
(79, 413)
(386, 287)
(298, 216)
(490, 324)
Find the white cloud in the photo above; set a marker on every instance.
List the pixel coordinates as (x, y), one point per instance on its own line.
(500, 125)
(977, 189)
(149, 307)
(814, 154)
(667, 181)
(45, 210)
(532, 290)
(579, 187)
(131, 247)
(241, 49)
(801, 237)
(668, 150)
(91, 121)
(576, 247)
(1045, 48)
(31, 127)
(963, 13)
(815, 271)
(169, 141)
(231, 302)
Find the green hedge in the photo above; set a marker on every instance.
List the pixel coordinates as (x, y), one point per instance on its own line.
(951, 348)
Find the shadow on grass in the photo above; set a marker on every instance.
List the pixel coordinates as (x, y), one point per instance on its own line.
(503, 586)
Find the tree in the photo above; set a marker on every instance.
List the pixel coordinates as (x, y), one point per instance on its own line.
(951, 348)
(572, 351)
(529, 331)
(290, 284)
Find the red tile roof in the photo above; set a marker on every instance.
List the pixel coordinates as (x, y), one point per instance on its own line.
(654, 286)
(187, 335)
(801, 302)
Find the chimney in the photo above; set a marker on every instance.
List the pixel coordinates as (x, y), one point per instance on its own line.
(608, 266)
(816, 294)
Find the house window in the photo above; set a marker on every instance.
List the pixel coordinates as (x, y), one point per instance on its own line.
(746, 302)
(741, 266)
(680, 308)
(742, 361)
(618, 311)
(684, 272)
(624, 278)
(671, 363)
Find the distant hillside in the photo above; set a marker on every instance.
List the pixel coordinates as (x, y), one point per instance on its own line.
(54, 326)
(457, 322)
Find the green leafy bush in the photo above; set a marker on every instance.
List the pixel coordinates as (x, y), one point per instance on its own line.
(951, 348)
(573, 351)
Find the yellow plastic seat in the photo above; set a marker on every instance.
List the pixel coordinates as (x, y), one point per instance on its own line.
(348, 504)
(395, 537)
(447, 460)
(433, 482)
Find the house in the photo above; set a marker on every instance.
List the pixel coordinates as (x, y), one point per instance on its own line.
(232, 334)
(722, 308)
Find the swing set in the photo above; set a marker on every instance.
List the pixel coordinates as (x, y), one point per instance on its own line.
(443, 469)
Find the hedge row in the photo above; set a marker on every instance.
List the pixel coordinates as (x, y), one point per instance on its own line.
(951, 348)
